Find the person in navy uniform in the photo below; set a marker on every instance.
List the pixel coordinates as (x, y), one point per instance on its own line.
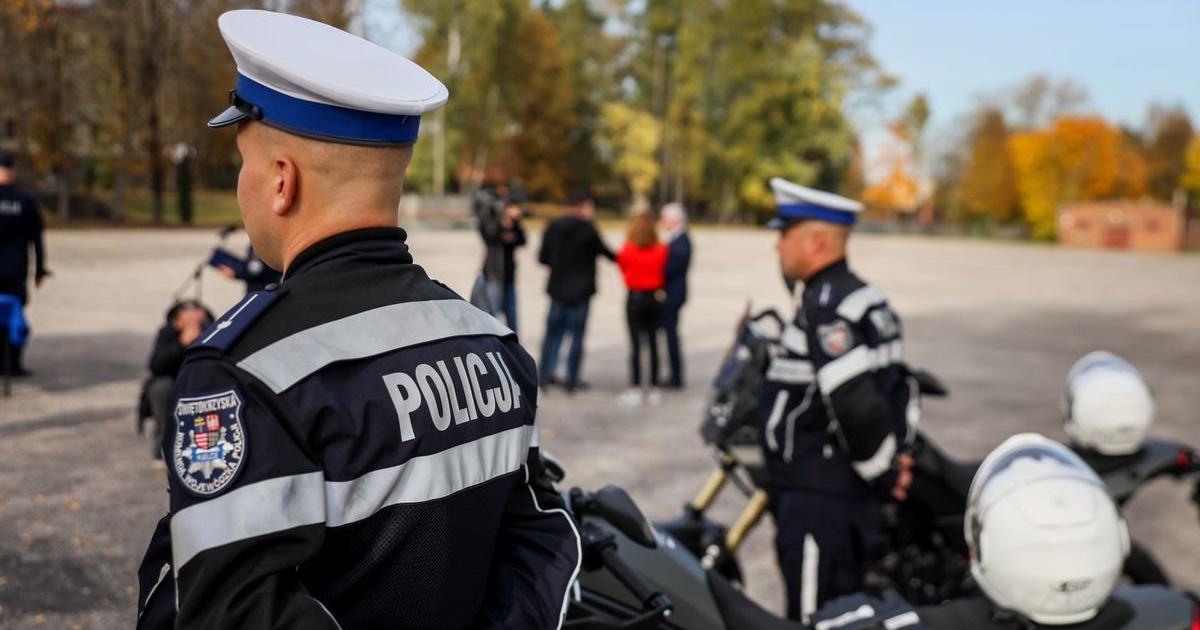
(20, 229)
(358, 447)
(835, 407)
(673, 218)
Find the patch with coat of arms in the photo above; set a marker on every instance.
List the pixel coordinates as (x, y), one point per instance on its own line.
(210, 441)
(836, 338)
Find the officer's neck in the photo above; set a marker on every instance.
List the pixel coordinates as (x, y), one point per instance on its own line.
(831, 263)
(310, 234)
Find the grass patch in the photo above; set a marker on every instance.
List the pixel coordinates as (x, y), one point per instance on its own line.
(211, 207)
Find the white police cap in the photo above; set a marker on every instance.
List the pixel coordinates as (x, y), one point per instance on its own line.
(794, 202)
(314, 80)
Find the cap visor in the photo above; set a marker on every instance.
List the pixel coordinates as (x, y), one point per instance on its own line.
(227, 117)
(779, 223)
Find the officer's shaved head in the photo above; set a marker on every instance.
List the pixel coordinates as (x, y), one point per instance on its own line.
(294, 191)
(806, 247)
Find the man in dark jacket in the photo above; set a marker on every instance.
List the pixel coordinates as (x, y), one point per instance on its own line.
(679, 259)
(570, 247)
(502, 234)
(20, 227)
(185, 321)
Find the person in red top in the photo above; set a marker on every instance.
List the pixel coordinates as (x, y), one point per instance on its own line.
(643, 262)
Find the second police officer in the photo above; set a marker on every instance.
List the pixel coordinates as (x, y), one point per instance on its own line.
(356, 448)
(835, 406)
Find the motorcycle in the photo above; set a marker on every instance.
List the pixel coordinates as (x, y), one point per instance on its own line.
(921, 552)
(635, 576)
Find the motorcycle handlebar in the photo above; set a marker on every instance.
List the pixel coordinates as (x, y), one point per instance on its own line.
(651, 600)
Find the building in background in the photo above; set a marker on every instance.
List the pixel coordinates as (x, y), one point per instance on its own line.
(1135, 225)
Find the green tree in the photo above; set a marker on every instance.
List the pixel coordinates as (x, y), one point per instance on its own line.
(989, 185)
(630, 137)
(1168, 132)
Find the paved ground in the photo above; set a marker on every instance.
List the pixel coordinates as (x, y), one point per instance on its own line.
(1000, 323)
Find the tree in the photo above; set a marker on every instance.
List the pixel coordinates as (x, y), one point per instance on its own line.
(631, 138)
(1074, 158)
(989, 187)
(1190, 180)
(1168, 133)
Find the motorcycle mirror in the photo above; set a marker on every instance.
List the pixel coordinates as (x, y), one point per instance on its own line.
(928, 384)
(617, 507)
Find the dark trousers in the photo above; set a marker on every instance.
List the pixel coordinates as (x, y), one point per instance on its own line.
(670, 328)
(642, 313)
(19, 287)
(564, 319)
(503, 297)
(823, 543)
(158, 392)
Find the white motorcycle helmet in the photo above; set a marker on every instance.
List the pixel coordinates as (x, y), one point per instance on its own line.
(1109, 408)
(1045, 539)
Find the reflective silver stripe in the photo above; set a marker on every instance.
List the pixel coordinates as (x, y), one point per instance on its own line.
(790, 371)
(429, 477)
(795, 340)
(866, 611)
(384, 329)
(855, 305)
(284, 503)
(162, 574)
(808, 577)
(252, 510)
(562, 615)
(903, 620)
(790, 439)
(889, 353)
(833, 374)
(880, 462)
(775, 417)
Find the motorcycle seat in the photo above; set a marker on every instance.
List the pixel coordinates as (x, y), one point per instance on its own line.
(741, 612)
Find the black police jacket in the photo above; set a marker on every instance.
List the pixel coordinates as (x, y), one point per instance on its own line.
(20, 227)
(355, 450)
(837, 399)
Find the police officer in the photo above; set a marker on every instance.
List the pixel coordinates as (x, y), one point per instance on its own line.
(20, 227)
(356, 448)
(834, 407)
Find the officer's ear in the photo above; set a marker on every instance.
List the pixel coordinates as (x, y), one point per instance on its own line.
(286, 181)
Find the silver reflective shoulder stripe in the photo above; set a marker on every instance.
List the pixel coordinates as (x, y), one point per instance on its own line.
(384, 329)
(789, 445)
(795, 340)
(252, 510)
(429, 477)
(880, 462)
(833, 374)
(284, 503)
(790, 371)
(855, 305)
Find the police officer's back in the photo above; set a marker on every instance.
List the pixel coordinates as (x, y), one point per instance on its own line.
(357, 448)
(833, 410)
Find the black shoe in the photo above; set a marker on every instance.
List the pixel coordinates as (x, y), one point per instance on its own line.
(21, 373)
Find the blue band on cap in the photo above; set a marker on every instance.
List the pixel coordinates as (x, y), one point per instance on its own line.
(327, 121)
(812, 211)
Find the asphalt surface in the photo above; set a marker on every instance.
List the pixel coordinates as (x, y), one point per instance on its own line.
(1000, 323)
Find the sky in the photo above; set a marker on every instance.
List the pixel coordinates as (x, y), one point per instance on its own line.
(1125, 54)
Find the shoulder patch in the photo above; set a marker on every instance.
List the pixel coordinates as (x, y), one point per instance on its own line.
(836, 338)
(210, 441)
(225, 331)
